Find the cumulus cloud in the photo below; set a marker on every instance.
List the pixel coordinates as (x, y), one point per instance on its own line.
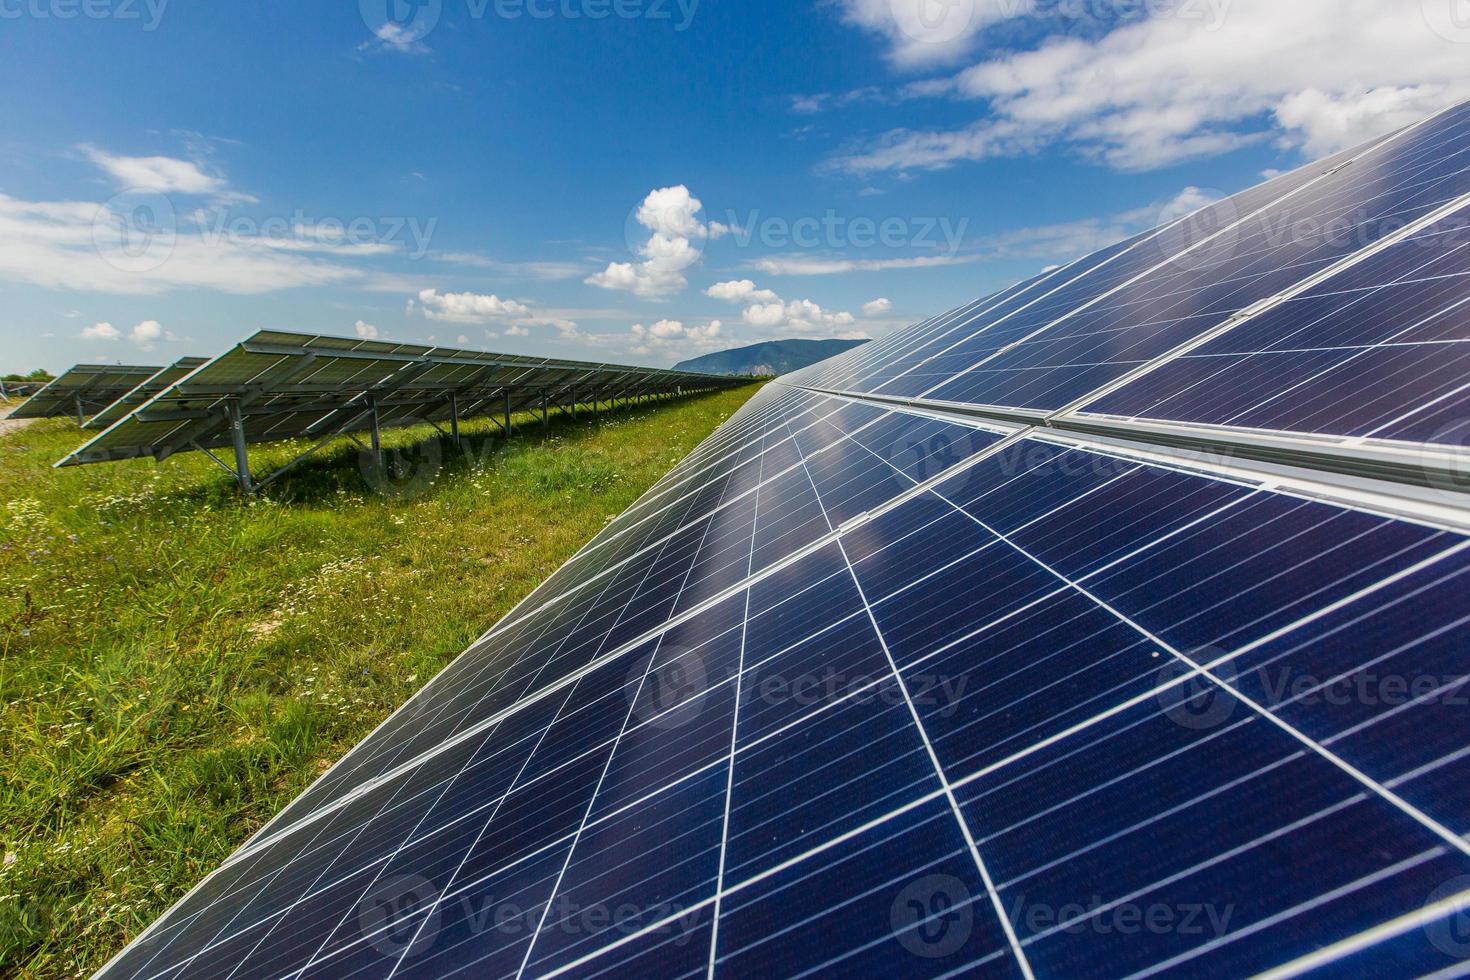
(366, 330)
(878, 307)
(674, 334)
(674, 245)
(101, 331)
(468, 307)
(148, 333)
(144, 335)
(767, 313)
(740, 291)
(1315, 74)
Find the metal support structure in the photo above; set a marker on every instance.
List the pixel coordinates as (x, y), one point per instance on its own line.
(454, 418)
(377, 435)
(237, 436)
(545, 413)
(573, 397)
(507, 413)
(81, 413)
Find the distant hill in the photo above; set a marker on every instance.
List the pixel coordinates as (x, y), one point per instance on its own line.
(772, 357)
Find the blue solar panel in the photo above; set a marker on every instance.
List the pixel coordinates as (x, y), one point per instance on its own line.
(901, 688)
(1377, 351)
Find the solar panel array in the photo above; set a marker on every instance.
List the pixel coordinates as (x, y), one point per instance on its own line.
(291, 386)
(970, 650)
(154, 386)
(84, 390)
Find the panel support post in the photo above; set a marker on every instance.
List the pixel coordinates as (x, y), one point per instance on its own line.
(454, 418)
(81, 414)
(507, 413)
(376, 433)
(545, 413)
(574, 404)
(237, 437)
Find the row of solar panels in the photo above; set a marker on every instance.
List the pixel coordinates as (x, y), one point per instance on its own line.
(1114, 625)
(277, 386)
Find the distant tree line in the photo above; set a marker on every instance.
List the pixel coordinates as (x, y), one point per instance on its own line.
(39, 374)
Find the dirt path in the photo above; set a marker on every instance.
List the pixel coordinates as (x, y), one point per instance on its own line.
(9, 425)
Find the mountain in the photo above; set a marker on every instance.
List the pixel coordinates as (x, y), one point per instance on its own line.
(772, 357)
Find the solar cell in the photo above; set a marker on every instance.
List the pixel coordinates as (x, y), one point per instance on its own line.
(882, 678)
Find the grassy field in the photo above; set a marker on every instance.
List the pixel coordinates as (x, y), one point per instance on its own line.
(177, 662)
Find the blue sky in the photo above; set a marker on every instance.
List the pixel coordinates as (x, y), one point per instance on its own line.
(636, 180)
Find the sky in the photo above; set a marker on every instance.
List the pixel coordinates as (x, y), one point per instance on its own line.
(637, 181)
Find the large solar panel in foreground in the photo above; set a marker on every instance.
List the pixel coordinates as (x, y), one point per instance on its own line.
(972, 650)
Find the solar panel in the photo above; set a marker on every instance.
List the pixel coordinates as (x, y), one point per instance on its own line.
(145, 391)
(913, 668)
(83, 391)
(278, 386)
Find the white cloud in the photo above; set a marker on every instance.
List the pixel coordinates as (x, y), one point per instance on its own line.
(144, 335)
(393, 37)
(468, 307)
(89, 247)
(675, 243)
(877, 308)
(147, 333)
(164, 175)
(516, 331)
(101, 331)
(923, 32)
(674, 334)
(768, 313)
(1323, 74)
(366, 330)
(740, 291)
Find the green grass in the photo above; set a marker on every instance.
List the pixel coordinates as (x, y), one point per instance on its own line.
(177, 662)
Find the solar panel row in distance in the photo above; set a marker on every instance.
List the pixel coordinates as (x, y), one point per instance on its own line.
(83, 391)
(913, 669)
(277, 386)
